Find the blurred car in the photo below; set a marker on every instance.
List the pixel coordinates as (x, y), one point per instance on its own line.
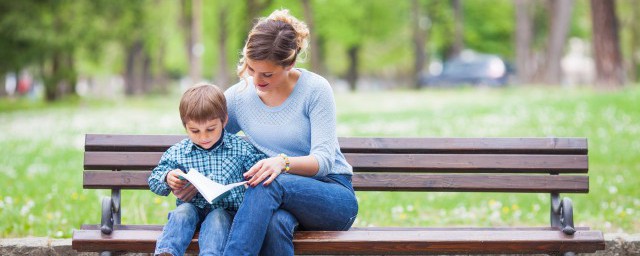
(470, 69)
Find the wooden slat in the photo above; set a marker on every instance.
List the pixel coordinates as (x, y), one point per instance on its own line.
(465, 145)
(378, 242)
(469, 163)
(118, 142)
(386, 162)
(159, 228)
(159, 143)
(395, 182)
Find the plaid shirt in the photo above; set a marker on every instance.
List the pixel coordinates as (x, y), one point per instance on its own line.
(224, 164)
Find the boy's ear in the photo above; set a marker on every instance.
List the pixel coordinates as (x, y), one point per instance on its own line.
(226, 120)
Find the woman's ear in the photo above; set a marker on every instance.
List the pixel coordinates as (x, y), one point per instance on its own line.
(288, 68)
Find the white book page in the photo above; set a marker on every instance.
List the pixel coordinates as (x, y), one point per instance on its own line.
(211, 191)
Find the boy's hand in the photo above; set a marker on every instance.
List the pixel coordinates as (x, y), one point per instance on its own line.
(173, 180)
(185, 194)
(268, 169)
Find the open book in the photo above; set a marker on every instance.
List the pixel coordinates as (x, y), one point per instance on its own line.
(211, 191)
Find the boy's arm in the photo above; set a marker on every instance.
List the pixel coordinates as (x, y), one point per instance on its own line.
(158, 178)
(254, 155)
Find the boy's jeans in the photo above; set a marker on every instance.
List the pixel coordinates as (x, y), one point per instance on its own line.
(269, 214)
(178, 232)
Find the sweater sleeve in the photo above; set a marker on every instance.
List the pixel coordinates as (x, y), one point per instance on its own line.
(322, 115)
(232, 123)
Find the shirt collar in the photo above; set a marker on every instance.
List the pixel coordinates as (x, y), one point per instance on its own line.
(226, 143)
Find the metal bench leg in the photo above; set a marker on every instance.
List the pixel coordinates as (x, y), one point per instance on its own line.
(110, 215)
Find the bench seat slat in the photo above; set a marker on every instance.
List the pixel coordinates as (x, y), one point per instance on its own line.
(378, 242)
(385, 162)
(395, 182)
(159, 228)
(159, 143)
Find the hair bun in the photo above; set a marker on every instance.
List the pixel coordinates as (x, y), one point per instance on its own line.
(301, 29)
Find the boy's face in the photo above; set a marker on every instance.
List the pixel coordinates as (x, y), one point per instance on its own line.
(205, 134)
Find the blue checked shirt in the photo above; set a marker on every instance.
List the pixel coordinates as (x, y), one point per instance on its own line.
(224, 164)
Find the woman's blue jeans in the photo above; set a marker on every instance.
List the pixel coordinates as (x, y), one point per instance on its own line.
(183, 221)
(269, 215)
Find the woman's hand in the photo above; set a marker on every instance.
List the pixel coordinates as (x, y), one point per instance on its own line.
(174, 181)
(185, 194)
(266, 168)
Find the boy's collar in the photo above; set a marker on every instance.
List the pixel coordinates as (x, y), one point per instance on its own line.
(224, 142)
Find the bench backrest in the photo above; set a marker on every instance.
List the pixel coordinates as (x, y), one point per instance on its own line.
(385, 164)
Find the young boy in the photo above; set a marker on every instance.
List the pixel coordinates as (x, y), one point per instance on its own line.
(221, 156)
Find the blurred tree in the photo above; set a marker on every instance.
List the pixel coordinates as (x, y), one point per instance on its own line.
(606, 44)
(560, 18)
(351, 24)
(628, 11)
(458, 17)
(191, 20)
(524, 40)
(317, 61)
(419, 32)
(222, 78)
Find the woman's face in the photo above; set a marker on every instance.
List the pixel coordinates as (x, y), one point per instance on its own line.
(267, 75)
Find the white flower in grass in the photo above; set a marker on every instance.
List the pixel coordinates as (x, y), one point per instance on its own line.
(619, 179)
(410, 208)
(629, 211)
(59, 233)
(604, 205)
(613, 190)
(24, 210)
(8, 200)
(31, 218)
(397, 210)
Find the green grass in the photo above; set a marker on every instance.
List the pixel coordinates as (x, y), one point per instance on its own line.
(41, 155)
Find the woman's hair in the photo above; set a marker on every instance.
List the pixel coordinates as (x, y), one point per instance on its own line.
(278, 38)
(201, 103)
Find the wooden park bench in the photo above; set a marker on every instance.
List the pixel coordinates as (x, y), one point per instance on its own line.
(468, 165)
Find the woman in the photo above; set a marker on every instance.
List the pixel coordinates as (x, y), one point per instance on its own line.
(289, 114)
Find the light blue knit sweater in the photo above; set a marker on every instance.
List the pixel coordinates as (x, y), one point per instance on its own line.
(304, 124)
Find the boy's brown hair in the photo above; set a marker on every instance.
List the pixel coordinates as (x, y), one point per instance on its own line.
(201, 103)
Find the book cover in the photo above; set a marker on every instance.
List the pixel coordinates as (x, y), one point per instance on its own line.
(211, 191)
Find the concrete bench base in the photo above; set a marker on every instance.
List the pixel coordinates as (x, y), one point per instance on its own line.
(616, 244)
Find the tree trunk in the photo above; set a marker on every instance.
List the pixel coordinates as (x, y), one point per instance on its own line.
(52, 76)
(524, 39)
(458, 16)
(606, 45)
(558, 30)
(314, 49)
(133, 69)
(186, 23)
(352, 73)
(3, 86)
(419, 39)
(222, 79)
(197, 48)
(147, 78)
(635, 40)
(254, 7)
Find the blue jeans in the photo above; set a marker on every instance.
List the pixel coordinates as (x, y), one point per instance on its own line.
(270, 214)
(183, 221)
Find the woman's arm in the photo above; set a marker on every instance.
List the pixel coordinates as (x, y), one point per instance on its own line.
(271, 167)
(322, 117)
